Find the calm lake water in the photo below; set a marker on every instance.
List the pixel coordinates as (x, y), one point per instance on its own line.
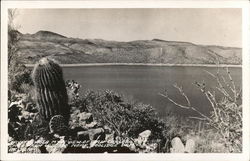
(143, 83)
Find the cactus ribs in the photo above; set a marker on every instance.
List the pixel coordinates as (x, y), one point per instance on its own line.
(51, 93)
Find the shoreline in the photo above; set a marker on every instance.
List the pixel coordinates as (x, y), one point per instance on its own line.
(144, 64)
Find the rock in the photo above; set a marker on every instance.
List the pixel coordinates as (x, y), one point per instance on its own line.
(33, 150)
(83, 135)
(26, 115)
(143, 137)
(76, 112)
(145, 134)
(110, 138)
(82, 124)
(190, 146)
(96, 133)
(91, 134)
(132, 147)
(73, 117)
(84, 116)
(40, 141)
(59, 147)
(177, 146)
(91, 125)
(30, 142)
(93, 143)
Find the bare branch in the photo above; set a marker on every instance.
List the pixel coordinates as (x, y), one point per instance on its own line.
(184, 107)
(227, 84)
(205, 117)
(12, 14)
(211, 74)
(221, 88)
(182, 93)
(177, 104)
(230, 78)
(197, 118)
(233, 84)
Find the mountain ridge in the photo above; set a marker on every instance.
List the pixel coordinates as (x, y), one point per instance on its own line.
(67, 50)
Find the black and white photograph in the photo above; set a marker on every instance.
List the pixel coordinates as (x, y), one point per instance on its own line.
(124, 80)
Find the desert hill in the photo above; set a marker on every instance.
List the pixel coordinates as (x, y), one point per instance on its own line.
(74, 50)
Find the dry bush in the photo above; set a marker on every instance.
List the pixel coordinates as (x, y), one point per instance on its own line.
(226, 115)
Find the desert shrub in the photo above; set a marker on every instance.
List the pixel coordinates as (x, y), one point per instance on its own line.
(18, 76)
(74, 98)
(144, 117)
(26, 88)
(127, 120)
(226, 115)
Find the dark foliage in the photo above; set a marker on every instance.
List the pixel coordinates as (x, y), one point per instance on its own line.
(19, 75)
(127, 120)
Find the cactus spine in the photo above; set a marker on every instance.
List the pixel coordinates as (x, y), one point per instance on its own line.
(51, 93)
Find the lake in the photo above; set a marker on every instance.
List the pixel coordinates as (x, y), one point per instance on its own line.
(143, 83)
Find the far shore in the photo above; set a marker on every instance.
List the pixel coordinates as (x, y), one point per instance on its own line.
(144, 64)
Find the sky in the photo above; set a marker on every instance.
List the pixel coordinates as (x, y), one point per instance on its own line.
(212, 26)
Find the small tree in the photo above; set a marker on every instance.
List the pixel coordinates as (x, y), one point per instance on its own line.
(13, 37)
(226, 114)
(18, 74)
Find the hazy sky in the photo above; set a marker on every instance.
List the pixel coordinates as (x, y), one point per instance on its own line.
(201, 26)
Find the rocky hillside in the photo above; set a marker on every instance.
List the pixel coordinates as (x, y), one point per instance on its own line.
(73, 50)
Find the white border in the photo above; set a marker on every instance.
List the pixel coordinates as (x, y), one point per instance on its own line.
(129, 4)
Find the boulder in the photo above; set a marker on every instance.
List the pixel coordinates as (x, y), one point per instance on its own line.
(177, 146)
(91, 134)
(84, 116)
(145, 134)
(190, 146)
(91, 125)
(143, 137)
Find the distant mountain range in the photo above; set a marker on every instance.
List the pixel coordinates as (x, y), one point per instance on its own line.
(66, 50)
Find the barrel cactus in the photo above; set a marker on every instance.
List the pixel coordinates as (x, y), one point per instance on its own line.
(51, 93)
(57, 125)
